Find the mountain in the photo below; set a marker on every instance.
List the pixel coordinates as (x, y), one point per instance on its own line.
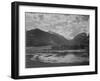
(82, 38)
(37, 37)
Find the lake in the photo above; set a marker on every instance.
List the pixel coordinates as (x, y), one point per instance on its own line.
(55, 59)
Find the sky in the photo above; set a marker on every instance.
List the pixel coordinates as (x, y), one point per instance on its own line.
(67, 25)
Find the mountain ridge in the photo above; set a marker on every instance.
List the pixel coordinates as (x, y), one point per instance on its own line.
(37, 37)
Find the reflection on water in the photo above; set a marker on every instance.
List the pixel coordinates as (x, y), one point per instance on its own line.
(55, 58)
(64, 58)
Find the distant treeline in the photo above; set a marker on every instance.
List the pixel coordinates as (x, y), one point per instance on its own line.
(64, 47)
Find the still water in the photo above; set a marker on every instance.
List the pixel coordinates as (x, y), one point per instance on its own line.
(57, 59)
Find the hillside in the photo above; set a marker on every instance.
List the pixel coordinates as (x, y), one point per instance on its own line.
(37, 37)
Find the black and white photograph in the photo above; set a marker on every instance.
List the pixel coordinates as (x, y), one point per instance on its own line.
(54, 39)
(50, 40)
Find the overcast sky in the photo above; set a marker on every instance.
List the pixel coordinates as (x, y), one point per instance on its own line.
(68, 25)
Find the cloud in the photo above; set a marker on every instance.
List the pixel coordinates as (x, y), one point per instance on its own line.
(68, 25)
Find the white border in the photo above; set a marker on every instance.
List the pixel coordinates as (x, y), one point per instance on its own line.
(53, 70)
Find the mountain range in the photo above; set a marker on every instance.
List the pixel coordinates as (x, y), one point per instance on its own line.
(37, 37)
